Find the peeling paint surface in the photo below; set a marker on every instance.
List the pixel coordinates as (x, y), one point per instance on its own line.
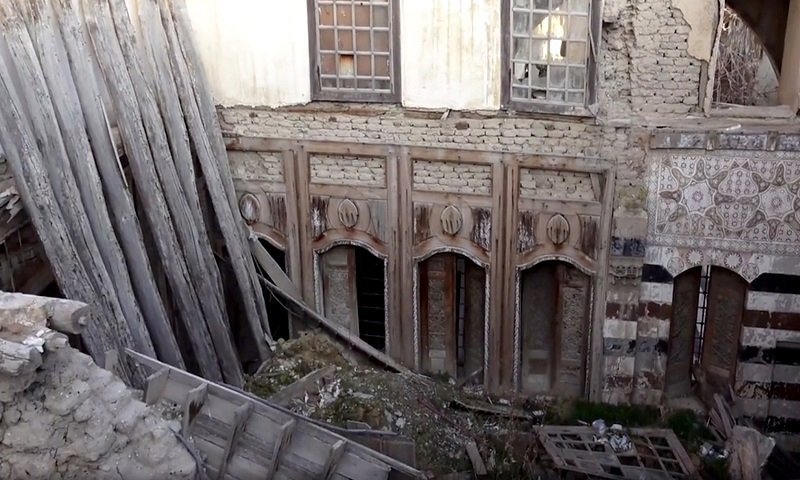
(255, 52)
(451, 53)
(701, 15)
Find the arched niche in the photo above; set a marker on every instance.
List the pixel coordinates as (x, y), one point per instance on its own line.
(451, 312)
(351, 286)
(708, 304)
(552, 328)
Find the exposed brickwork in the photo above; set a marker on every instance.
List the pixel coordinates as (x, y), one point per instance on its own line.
(644, 62)
(262, 166)
(550, 184)
(355, 171)
(451, 177)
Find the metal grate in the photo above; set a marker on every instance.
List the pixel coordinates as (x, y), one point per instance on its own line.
(702, 311)
(549, 50)
(355, 46)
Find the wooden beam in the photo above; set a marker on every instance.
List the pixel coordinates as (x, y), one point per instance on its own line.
(301, 386)
(200, 114)
(117, 193)
(272, 268)
(240, 417)
(137, 146)
(337, 450)
(202, 266)
(154, 387)
(210, 149)
(282, 441)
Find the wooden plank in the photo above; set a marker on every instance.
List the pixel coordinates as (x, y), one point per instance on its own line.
(210, 150)
(200, 260)
(272, 268)
(192, 405)
(117, 194)
(284, 438)
(478, 467)
(223, 400)
(241, 416)
(600, 286)
(95, 283)
(112, 63)
(285, 396)
(337, 450)
(155, 385)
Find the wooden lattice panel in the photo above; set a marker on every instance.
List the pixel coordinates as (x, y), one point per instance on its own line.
(656, 454)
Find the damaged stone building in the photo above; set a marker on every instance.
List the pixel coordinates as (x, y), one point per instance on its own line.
(577, 199)
(559, 193)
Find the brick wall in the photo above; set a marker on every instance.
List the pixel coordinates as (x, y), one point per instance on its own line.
(349, 170)
(452, 177)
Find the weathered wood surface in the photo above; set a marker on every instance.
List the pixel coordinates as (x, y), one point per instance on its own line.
(79, 156)
(68, 316)
(117, 193)
(199, 259)
(302, 386)
(206, 137)
(274, 442)
(29, 170)
(137, 147)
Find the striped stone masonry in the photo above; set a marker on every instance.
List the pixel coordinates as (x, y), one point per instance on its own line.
(768, 372)
(653, 321)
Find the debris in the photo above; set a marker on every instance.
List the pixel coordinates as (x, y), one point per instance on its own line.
(750, 452)
(302, 386)
(713, 452)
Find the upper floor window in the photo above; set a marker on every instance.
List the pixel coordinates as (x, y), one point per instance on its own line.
(548, 61)
(354, 50)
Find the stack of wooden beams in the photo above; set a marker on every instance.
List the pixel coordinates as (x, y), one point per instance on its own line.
(70, 71)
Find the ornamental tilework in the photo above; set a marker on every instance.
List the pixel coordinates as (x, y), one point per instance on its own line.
(729, 205)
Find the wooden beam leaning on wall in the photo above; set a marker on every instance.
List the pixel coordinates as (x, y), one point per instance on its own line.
(50, 193)
(206, 136)
(199, 259)
(117, 193)
(291, 293)
(129, 120)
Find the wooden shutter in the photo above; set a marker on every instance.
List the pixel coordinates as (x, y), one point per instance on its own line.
(438, 314)
(538, 310)
(474, 317)
(726, 304)
(338, 270)
(685, 295)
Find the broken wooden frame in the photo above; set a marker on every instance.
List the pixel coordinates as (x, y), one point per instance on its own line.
(243, 437)
(656, 453)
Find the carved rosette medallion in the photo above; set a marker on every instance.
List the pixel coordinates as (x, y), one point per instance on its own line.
(250, 208)
(348, 213)
(452, 220)
(558, 229)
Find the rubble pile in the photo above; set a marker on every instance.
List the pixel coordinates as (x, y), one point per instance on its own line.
(62, 416)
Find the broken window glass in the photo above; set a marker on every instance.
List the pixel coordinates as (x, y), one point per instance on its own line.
(549, 50)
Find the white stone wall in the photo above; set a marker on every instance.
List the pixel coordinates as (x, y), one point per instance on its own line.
(261, 166)
(550, 184)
